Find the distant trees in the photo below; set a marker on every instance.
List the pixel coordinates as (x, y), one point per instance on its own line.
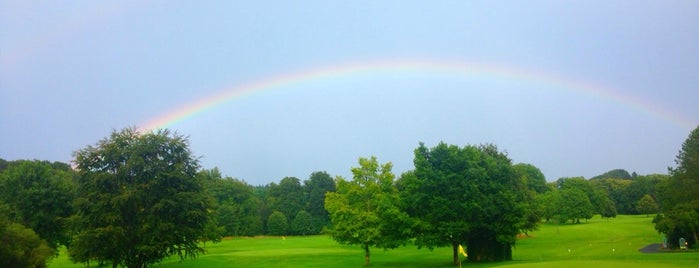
(39, 195)
(679, 196)
(21, 246)
(465, 196)
(646, 205)
(277, 223)
(366, 211)
(139, 200)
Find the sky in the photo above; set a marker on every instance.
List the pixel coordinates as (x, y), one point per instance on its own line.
(272, 89)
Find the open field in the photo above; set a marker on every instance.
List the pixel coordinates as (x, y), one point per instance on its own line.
(596, 243)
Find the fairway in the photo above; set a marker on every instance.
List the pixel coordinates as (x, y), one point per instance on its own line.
(595, 243)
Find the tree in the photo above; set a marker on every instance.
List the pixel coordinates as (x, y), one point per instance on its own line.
(573, 205)
(366, 211)
(646, 205)
(532, 176)
(302, 224)
(286, 197)
(139, 200)
(680, 195)
(277, 223)
(465, 195)
(22, 247)
(532, 183)
(317, 185)
(39, 197)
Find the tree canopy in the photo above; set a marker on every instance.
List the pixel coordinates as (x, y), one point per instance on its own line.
(139, 200)
(39, 196)
(465, 195)
(680, 196)
(366, 210)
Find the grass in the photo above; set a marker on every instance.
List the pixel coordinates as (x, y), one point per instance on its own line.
(595, 243)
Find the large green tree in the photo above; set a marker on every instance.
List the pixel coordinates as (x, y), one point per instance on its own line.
(680, 195)
(39, 197)
(366, 211)
(139, 200)
(465, 195)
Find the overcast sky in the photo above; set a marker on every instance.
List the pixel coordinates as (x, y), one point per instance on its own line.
(575, 88)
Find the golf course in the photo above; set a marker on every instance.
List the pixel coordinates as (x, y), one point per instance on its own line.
(594, 243)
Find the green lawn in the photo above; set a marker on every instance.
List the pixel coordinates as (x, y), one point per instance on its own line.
(596, 243)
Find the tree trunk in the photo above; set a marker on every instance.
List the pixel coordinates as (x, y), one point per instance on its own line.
(455, 249)
(366, 255)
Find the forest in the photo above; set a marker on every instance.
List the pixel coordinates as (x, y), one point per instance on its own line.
(132, 188)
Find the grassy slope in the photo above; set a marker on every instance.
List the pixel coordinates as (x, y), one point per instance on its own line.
(597, 243)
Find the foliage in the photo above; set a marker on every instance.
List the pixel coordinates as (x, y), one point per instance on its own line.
(39, 197)
(236, 205)
(366, 211)
(680, 195)
(573, 205)
(277, 223)
(465, 196)
(302, 224)
(317, 185)
(139, 200)
(646, 205)
(615, 174)
(22, 247)
(532, 183)
(532, 176)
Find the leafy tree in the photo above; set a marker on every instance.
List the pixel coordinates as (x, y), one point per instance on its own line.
(532, 176)
(290, 198)
(317, 185)
(303, 223)
(236, 204)
(647, 205)
(548, 203)
(277, 223)
(21, 247)
(598, 198)
(532, 182)
(608, 209)
(39, 197)
(139, 200)
(366, 211)
(573, 205)
(465, 195)
(680, 195)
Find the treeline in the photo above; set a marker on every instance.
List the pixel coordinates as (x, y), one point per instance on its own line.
(135, 198)
(290, 207)
(573, 199)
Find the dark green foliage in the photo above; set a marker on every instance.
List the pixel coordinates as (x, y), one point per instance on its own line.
(39, 197)
(317, 185)
(647, 205)
(236, 206)
(277, 224)
(532, 177)
(465, 196)
(680, 195)
(614, 174)
(573, 205)
(532, 183)
(302, 224)
(21, 247)
(139, 200)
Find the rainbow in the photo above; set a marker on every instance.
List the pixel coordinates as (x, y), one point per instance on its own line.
(457, 68)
